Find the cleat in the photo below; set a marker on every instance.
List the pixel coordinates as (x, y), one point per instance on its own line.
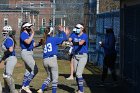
(26, 89)
(40, 91)
(79, 91)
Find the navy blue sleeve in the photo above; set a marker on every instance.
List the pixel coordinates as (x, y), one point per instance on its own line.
(64, 35)
(72, 36)
(60, 40)
(109, 42)
(57, 35)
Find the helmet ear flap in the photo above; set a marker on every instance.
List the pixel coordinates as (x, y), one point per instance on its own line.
(10, 33)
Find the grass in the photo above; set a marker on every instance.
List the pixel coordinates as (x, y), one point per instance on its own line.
(64, 86)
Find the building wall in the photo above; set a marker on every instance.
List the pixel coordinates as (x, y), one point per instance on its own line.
(4, 1)
(12, 1)
(44, 12)
(12, 19)
(108, 5)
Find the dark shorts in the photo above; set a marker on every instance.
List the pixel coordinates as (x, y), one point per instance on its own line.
(70, 57)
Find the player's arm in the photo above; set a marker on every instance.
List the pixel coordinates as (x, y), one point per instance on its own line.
(10, 46)
(7, 52)
(11, 49)
(29, 40)
(70, 39)
(81, 42)
(39, 43)
(60, 40)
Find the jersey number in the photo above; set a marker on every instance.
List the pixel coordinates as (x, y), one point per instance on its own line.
(48, 48)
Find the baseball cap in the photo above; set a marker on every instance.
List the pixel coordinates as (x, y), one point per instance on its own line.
(27, 25)
(79, 26)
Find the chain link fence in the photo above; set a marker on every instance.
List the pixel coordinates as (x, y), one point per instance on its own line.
(63, 12)
(67, 13)
(108, 15)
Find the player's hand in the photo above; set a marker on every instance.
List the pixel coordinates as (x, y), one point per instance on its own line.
(101, 43)
(32, 30)
(67, 31)
(40, 42)
(51, 30)
(60, 28)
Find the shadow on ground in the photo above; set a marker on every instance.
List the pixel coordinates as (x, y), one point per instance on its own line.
(93, 82)
(66, 88)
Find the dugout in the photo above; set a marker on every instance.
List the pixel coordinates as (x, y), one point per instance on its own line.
(130, 44)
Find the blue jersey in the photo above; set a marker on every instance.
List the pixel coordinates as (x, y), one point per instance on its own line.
(60, 34)
(51, 46)
(72, 35)
(23, 45)
(8, 42)
(80, 48)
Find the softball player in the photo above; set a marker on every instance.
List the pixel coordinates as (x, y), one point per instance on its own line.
(80, 50)
(50, 59)
(60, 29)
(27, 44)
(71, 77)
(8, 46)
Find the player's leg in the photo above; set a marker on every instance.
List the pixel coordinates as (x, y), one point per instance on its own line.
(24, 55)
(9, 67)
(25, 78)
(112, 67)
(32, 68)
(75, 65)
(71, 77)
(48, 79)
(54, 70)
(72, 68)
(30, 65)
(105, 68)
(82, 60)
(26, 75)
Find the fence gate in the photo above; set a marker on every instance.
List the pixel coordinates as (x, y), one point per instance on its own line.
(130, 47)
